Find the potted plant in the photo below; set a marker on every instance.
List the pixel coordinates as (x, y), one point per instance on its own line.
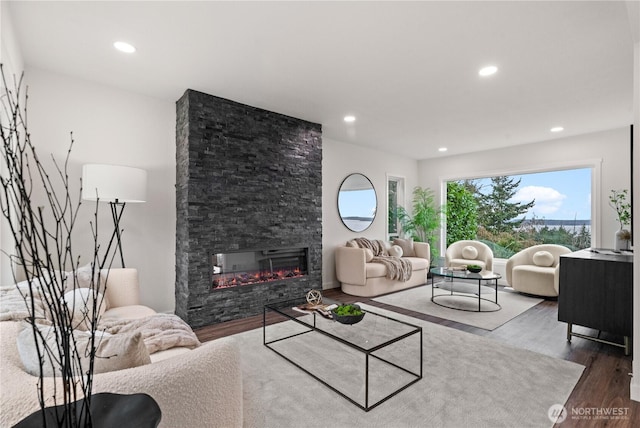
(618, 201)
(423, 224)
(347, 314)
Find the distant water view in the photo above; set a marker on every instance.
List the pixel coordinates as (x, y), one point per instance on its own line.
(557, 224)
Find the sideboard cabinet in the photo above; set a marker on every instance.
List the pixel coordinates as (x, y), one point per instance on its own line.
(596, 291)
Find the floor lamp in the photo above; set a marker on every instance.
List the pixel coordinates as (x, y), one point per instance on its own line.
(116, 185)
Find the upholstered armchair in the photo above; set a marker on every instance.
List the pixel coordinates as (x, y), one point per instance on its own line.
(469, 252)
(536, 270)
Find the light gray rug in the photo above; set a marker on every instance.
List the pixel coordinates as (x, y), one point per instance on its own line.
(468, 380)
(419, 300)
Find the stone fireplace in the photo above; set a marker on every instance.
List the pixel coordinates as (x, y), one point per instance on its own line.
(248, 196)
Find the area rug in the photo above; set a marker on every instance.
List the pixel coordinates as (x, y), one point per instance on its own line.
(419, 300)
(468, 380)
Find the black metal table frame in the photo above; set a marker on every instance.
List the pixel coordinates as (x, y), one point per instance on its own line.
(436, 272)
(368, 353)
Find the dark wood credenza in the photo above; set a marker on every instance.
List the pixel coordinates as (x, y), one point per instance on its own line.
(596, 291)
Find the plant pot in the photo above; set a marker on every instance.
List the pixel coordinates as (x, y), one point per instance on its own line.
(107, 410)
(622, 239)
(347, 319)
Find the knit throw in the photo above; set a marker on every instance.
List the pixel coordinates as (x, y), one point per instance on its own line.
(398, 268)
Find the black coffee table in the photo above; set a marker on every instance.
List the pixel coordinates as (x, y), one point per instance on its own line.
(321, 347)
(464, 288)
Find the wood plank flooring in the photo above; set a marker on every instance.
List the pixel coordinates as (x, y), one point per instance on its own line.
(603, 387)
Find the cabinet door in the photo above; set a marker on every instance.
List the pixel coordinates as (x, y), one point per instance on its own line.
(596, 294)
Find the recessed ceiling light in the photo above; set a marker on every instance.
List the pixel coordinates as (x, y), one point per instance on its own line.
(124, 47)
(488, 71)
(442, 149)
(349, 119)
(557, 129)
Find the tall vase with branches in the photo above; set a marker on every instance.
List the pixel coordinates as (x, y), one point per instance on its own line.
(618, 201)
(40, 213)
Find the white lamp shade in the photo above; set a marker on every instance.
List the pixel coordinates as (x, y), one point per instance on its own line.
(109, 183)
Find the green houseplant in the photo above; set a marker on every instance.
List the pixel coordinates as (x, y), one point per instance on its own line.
(618, 201)
(424, 222)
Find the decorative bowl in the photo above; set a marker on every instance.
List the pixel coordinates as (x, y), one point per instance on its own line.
(348, 319)
(474, 268)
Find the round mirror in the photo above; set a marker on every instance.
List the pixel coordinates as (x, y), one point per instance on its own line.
(357, 202)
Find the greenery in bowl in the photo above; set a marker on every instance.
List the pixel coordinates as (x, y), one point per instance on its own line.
(346, 310)
(474, 268)
(348, 314)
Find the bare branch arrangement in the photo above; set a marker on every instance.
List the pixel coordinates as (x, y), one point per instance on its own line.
(43, 254)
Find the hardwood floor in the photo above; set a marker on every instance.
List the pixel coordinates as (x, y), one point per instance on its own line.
(603, 387)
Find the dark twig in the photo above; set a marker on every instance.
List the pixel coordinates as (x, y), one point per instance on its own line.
(43, 254)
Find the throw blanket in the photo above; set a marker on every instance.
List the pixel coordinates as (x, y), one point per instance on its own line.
(14, 307)
(398, 268)
(159, 331)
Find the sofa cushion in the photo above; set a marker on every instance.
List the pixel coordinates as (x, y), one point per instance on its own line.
(418, 263)
(406, 245)
(128, 312)
(469, 252)
(169, 353)
(465, 262)
(375, 270)
(543, 258)
(395, 251)
(113, 352)
(378, 270)
(368, 255)
(80, 305)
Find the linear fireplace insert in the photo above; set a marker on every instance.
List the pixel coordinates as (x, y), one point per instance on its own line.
(240, 268)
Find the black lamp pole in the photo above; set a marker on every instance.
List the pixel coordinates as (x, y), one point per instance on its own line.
(117, 208)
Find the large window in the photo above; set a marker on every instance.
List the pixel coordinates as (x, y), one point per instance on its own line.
(395, 198)
(512, 212)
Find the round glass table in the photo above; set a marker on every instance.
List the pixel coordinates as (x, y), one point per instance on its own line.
(460, 284)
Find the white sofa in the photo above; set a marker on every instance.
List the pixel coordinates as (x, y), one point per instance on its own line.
(199, 388)
(367, 279)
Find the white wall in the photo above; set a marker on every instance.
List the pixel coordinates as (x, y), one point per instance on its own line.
(12, 65)
(635, 380)
(338, 161)
(115, 127)
(609, 149)
(633, 8)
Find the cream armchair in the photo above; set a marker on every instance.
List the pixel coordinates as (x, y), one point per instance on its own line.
(536, 270)
(468, 252)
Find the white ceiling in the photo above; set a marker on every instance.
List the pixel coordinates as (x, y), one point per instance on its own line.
(407, 70)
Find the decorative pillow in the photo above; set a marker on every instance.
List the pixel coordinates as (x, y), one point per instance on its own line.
(469, 252)
(543, 258)
(80, 305)
(395, 251)
(121, 351)
(368, 255)
(113, 352)
(406, 245)
(352, 244)
(83, 278)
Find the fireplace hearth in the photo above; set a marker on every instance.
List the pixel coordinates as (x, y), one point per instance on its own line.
(238, 268)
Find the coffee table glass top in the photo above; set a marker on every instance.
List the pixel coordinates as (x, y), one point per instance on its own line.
(464, 274)
(374, 331)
